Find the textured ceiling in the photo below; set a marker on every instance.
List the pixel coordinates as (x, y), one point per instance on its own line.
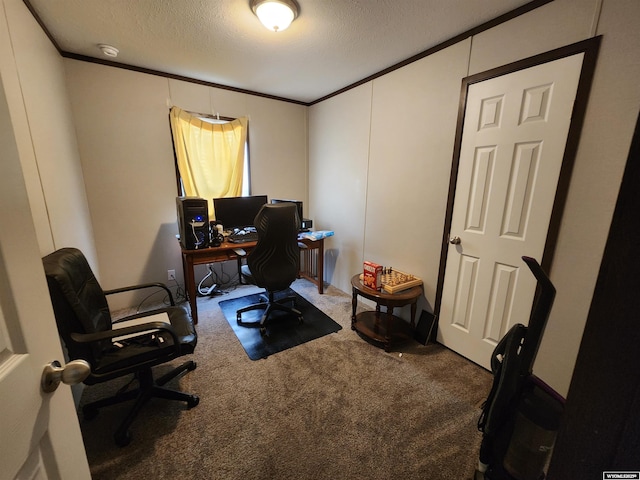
(332, 44)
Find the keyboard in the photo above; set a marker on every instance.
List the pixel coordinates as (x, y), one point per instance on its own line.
(243, 237)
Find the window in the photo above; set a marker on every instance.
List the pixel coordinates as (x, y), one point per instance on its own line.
(246, 177)
(211, 155)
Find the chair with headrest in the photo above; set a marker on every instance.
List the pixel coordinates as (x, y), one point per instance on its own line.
(274, 263)
(131, 345)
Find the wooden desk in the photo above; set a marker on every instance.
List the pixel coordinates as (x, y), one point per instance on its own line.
(381, 327)
(226, 252)
(312, 266)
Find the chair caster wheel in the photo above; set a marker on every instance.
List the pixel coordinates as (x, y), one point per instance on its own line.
(192, 366)
(193, 401)
(123, 439)
(89, 413)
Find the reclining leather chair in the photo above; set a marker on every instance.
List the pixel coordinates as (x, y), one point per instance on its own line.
(275, 261)
(88, 332)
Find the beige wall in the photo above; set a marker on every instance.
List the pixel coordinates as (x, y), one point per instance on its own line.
(34, 82)
(397, 164)
(338, 179)
(602, 154)
(122, 120)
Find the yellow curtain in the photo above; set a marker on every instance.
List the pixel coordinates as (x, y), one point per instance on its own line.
(210, 155)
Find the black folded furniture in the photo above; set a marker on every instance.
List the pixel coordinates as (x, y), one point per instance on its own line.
(88, 332)
(275, 261)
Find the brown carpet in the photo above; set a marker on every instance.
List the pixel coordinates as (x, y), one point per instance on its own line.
(333, 408)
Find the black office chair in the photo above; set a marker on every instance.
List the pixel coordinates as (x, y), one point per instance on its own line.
(275, 262)
(86, 328)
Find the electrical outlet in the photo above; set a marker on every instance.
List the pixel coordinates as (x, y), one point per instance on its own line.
(171, 274)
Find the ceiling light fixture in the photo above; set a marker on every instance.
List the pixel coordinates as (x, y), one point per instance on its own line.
(108, 50)
(276, 15)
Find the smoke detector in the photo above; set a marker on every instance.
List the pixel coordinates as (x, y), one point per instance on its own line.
(108, 50)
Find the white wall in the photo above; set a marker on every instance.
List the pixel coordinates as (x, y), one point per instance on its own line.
(378, 155)
(338, 179)
(602, 154)
(404, 159)
(122, 120)
(34, 82)
(412, 130)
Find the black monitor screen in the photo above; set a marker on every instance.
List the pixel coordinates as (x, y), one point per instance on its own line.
(298, 204)
(237, 212)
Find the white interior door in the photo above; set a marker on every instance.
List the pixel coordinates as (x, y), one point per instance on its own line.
(513, 143)
(39, 432)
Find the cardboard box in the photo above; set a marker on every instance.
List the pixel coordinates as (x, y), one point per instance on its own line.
(371, 276)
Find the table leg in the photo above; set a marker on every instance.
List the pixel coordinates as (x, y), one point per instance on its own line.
(376, 323)
(190, 287)
(389, 327)
(239, 265)
(354, 305)
(321, 267)
(413, 314)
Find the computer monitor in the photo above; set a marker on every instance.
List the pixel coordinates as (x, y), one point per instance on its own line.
(237, 212)
(297, 202)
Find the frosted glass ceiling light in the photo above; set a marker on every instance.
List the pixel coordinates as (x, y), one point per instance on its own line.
(276, 15)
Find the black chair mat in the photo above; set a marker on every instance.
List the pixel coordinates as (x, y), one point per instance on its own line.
(284, 331)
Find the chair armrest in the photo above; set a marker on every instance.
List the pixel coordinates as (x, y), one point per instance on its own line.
(119, 332)
(133, 316)
(140, 287)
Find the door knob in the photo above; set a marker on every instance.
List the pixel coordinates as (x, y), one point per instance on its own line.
(72, 373)
(455, 240)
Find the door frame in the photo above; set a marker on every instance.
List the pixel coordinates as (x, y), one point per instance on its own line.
(590, 48)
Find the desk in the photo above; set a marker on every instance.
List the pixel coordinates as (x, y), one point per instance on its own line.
(226, 252)
(312, 266)
(383, 327)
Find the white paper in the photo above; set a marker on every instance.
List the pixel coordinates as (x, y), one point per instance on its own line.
(158, 317)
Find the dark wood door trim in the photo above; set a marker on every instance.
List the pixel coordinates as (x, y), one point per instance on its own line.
(590, 49)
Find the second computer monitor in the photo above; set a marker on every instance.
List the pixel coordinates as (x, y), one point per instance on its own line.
(237, 212)
(297, 202)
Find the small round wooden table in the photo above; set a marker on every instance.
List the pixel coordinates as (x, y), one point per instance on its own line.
(383, 327)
